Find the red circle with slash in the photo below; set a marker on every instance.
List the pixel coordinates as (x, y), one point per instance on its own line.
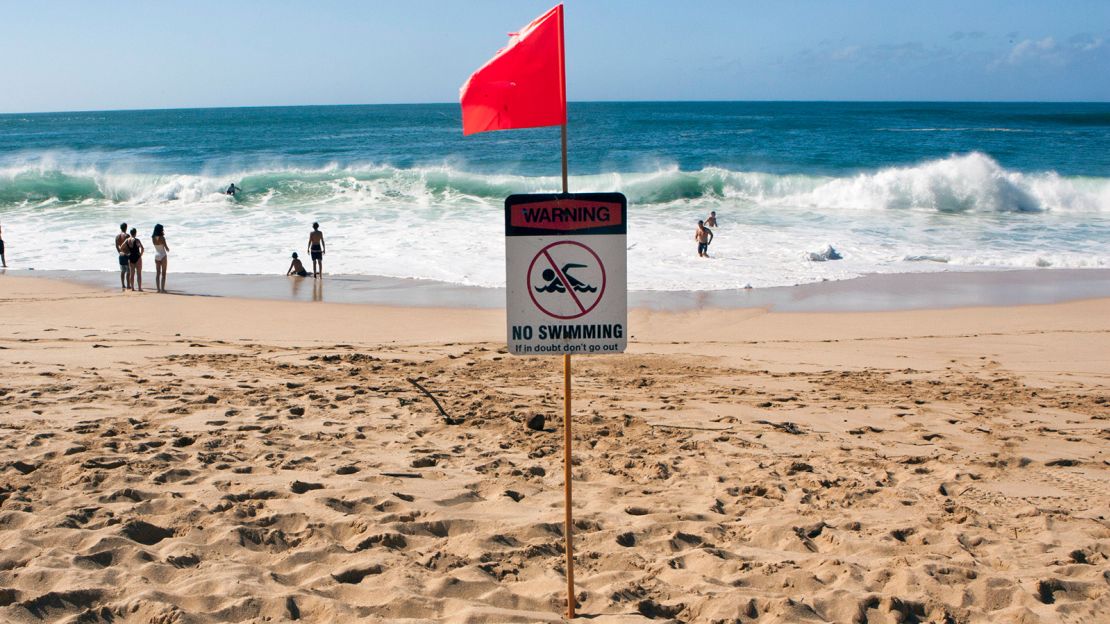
(577, 308)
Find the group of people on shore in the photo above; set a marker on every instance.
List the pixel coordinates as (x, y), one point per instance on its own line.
(704, 235)
(131, 250)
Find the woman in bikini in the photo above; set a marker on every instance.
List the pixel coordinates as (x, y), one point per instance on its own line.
(161, 257)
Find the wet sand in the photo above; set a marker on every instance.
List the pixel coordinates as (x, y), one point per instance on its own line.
(210, 459)
(905, 291)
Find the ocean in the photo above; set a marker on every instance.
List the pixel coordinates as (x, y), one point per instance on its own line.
(399, 192)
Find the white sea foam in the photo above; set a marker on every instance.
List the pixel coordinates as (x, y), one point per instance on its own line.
(445, 223)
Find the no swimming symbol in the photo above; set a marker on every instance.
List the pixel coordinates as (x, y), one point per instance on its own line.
(566, 280)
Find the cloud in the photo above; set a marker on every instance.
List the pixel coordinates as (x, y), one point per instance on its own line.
(1048, 52)
(960, 35)
(827, 53)
(847, 53)
(1034, 50)
(1086, 43)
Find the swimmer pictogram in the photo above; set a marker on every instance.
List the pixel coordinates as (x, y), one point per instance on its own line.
(566, 279)
(555, 280)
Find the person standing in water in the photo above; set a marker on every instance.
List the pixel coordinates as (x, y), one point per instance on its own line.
(712, 220)
(704, 236)
(3, 258)
(161, 257)
(124, 255)
(316, 249)
(135, 251)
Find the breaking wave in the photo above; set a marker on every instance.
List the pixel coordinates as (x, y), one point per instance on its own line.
(960, 183)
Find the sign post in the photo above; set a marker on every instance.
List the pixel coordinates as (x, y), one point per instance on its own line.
(525, 86)
(566, 293)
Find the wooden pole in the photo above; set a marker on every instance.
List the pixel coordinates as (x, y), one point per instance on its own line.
(568, 499)
(563, 93)
(565, 159)
(567, 502)
(569, 520)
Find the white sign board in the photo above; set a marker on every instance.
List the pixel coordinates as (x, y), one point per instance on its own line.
(565, 273)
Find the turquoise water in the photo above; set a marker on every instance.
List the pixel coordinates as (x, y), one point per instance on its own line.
(894, 187)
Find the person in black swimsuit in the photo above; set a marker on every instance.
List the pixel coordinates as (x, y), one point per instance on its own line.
(316, 248)
(135, 251)
(3, 260)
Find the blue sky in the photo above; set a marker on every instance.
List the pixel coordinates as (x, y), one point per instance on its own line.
(77, 55)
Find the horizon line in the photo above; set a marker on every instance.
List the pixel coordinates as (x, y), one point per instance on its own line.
(709, 101)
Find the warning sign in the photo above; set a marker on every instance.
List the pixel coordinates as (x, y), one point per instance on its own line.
(565, 273)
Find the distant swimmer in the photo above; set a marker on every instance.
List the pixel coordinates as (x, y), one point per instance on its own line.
(232, 190)
(296, 267)
(712, 220)
(704, 236)
(554, 284)
(316, 249)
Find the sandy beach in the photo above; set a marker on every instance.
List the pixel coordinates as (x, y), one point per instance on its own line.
(180, 459)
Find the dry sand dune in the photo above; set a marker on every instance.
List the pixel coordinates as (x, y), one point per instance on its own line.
(179, 460)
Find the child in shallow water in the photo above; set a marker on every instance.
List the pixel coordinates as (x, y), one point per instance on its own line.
(296, 268)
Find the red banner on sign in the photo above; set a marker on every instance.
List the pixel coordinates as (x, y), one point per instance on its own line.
(565, 214)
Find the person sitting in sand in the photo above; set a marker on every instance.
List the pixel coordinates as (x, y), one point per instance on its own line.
(124, 256)
(712, 220)
(161, 256)
(135, 251)
(704, 236)
(296, 267)
(316, 249)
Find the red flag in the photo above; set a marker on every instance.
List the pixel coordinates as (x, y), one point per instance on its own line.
(523, 85)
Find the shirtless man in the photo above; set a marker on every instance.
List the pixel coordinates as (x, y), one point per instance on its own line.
(704, 236)
(316, 249)
(124, 255)
(712, 220)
